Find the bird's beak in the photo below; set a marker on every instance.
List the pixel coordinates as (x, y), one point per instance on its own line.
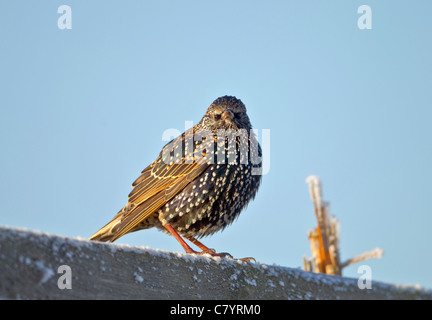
(228, 114)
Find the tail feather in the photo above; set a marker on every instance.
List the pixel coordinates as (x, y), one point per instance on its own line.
(129, 218)
(107, 232)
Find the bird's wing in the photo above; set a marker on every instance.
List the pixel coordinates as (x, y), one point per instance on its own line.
(156, 185)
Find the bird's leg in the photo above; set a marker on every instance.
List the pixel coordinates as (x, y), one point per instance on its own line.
(205, 249)
(194, 241)
(212, 251)
(179, 239)
(198, 244)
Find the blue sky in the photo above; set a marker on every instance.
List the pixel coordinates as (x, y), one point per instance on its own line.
(82, 112)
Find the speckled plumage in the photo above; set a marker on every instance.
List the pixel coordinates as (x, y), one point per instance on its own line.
(197, 186)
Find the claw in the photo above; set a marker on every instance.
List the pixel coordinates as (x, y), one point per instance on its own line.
(225, 255)
(208, 251)
(213, 253)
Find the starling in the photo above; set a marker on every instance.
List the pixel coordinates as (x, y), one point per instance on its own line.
(199, 183)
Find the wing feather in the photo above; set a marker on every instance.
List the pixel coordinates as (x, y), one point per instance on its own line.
(157, 184)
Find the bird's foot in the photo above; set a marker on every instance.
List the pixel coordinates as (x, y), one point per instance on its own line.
(205, 250)
(248, 259)
(213, 253)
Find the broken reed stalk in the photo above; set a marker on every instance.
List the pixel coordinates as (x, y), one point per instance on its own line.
(324, 239)
(376, 253)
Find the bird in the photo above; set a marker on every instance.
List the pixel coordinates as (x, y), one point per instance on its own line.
(200, 182)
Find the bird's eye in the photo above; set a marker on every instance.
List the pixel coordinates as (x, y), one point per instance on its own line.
(217, 116)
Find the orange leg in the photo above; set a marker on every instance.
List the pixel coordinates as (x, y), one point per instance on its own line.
(205, 249)
(192, 239)
(179, 239)
(198, 244)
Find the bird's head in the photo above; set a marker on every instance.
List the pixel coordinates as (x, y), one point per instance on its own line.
(226, 113)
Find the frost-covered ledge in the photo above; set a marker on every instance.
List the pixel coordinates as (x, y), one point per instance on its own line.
(30, 261)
